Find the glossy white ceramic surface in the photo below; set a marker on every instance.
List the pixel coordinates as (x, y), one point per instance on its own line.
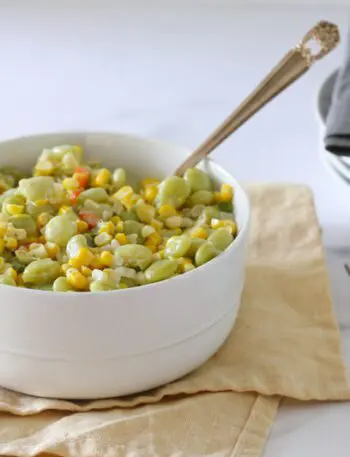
(93, 345)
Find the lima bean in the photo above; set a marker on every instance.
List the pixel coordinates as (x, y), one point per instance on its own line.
(221, 238)
(7, 280)
(99, 286)
(60, 230)
(96, 194)
(135, 255)
(160, 270)
(205, 253)
(201, 197)
(128, 216)
(24, 221)
(197, 179)
(177, 246)
(41, 271)
(61, 284)
(173, 191)
(196, 243)
(37, 188)
(133, 227)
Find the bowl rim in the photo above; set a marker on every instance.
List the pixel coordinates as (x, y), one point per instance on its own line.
(234, 245)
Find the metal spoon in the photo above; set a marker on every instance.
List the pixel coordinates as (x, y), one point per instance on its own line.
(294, 64)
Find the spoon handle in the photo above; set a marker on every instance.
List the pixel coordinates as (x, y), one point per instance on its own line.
(294, 64)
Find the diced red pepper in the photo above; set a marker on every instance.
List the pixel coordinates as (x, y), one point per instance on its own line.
(74, 195)
(91, 218)
(82, 175)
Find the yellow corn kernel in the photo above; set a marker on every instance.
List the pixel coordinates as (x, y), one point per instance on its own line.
(11, 243)
(167, 211)
(121, 238)
(161, 253)
(12, 272)
(96, 264)
(150, 193)
(154, 238)
(84, 257)
(106, 258)
(217, 223)
(2, 263)
(41, 202)
(123, 285)
(102, 178)
(14, 209)
(199, 232)
(70, 184)
(119, 227)
(183, 264)
(64, 209)
(43, 219)
(44, 168)
(115, 220)
(65, 267)
(145, 212)
(2, 245)
(77, 280)
(3, 230)
(82, 226)
(41, 239)
(151, 246)
(226, 192)
(86, 271)
(123, 192)
(149, 182)
(158, 225)
(52, 250)
(20, 281)
(107, 227)
(128, 202)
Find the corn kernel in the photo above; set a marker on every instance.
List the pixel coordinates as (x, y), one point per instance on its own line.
(43, 219)
(20, 281)
(14, 209)
(145, 212)
(154, 238)
(150, 193)
(12, 272)
(147, 230)
(188, 267)
(52, 250)
(119, 227)
(2, 263)
(106, 258)
(115, 220)
(128, 202)
(217, 223)
(199, 232)
(123, 285)
(102, 178)
(167, 211)
(41, 239)
(70, 184)
(96, 264)
(183, 261)
(102, 239)
(226, 192)
(82, 226)
(77, 280)
(64, 209)
(121, 238)
(161, 253)
(65, 267)
(44, 168)
(86, 271)
(151, 246)
(149, 182)
(158, 225)
(107, 227)
(2, 245)
(3, 230)
(84, 257)
(11, 243)
(123, 192)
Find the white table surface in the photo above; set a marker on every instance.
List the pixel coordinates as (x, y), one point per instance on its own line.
(174, 70)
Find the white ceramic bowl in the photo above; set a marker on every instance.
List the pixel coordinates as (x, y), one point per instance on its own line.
(94, 345)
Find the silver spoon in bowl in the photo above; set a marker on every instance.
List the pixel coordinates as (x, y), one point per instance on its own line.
(294, 64)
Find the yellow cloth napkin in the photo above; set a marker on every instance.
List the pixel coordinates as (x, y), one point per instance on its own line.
(285, 342)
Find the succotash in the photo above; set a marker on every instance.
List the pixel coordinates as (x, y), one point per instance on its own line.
(76, 226)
